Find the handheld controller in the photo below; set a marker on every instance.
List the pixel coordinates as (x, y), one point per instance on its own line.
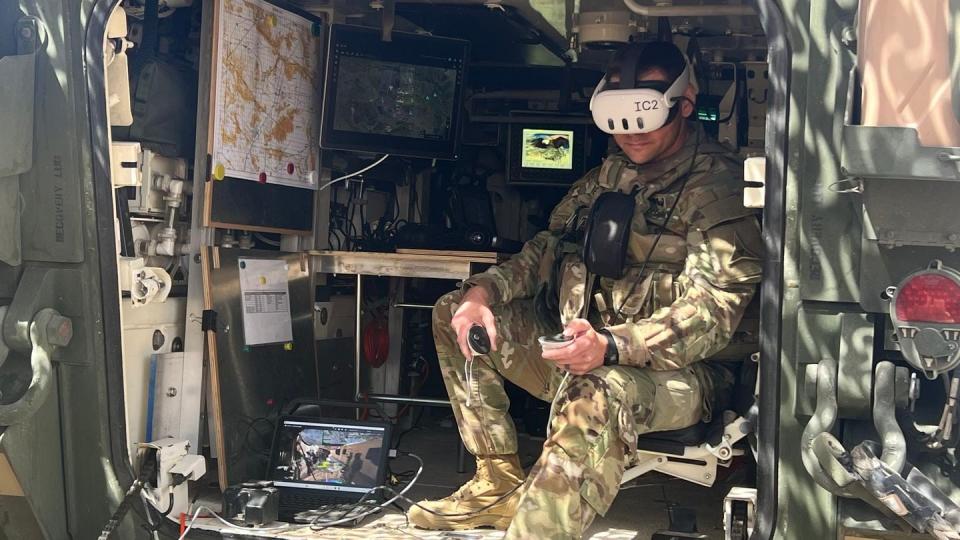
(478, 340)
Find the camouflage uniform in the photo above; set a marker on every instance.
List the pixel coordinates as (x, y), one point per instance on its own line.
(686, 308)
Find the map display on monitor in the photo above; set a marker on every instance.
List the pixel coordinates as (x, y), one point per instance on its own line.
(400, 97)
(394, 98)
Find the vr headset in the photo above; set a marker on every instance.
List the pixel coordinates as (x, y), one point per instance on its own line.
(636, 107)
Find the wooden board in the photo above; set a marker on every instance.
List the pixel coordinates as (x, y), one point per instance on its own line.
(208, 257)
(435, 265)
(475, 256)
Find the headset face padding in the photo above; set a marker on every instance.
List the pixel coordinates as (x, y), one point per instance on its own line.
(636, 110)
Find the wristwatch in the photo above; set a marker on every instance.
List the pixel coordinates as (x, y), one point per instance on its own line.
(611, 357)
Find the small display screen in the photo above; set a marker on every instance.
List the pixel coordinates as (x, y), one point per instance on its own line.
(329, 456)
(547, 149)
(395, 98)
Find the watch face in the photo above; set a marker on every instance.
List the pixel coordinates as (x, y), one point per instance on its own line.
(611, 356)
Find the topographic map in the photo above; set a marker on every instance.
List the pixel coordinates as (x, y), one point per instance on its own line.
(267, 95)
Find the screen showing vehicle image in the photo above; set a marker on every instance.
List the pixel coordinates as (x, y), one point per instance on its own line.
(394, 98)
(547, 149)
(342, 457)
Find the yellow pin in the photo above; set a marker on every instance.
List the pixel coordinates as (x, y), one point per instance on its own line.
(219, 171)
(288, 346)
(263, 280)
(272, 20)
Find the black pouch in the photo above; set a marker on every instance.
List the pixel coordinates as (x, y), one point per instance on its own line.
(608, 234)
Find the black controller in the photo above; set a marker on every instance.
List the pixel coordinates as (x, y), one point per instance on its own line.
(478, 339)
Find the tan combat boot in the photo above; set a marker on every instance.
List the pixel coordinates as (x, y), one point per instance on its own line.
(498, 478)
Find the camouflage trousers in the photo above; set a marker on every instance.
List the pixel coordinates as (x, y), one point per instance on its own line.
(594, 422)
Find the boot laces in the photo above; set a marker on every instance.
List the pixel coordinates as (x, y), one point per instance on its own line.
(483, 474)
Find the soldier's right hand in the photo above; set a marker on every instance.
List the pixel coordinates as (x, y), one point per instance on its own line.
(474, 309)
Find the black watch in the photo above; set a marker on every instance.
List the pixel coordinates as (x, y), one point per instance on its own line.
(611, 357)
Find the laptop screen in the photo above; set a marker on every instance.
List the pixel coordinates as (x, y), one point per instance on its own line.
(328, 456)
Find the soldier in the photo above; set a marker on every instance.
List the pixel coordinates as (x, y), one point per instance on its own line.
(635, 362)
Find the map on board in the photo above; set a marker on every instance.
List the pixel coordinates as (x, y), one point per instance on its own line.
(267, 95)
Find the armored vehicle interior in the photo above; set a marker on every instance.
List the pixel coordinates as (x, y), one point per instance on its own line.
(295, 183)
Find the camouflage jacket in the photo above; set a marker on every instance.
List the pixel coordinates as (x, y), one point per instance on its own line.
(693, 292)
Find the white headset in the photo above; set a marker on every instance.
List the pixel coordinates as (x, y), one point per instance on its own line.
(641, 108)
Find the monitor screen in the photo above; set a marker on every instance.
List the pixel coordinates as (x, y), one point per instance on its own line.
(547, 149)
(552, 149)
(400, 97)
(337, 457)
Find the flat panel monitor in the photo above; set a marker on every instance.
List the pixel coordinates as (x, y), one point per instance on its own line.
(329, 455)
(400, 97)
(552, 150)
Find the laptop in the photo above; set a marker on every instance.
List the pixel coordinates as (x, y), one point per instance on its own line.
(321, 462)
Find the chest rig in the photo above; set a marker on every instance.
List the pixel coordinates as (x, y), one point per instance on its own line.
(603, 261)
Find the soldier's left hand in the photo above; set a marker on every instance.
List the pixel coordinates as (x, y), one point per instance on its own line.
(584, 353)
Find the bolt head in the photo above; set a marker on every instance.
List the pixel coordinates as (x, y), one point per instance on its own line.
(26, 32)
(171, 392)
(59, 331)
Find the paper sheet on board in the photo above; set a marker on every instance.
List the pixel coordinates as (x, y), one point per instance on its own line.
(266, 301)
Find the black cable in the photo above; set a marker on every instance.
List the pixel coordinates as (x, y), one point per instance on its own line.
(414, 425)
(163, 515)
(396, 205)
(146, 471)
(663, 228)
(416, 201)
(736, 100)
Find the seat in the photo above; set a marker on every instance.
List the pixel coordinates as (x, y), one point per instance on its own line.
(694, 453)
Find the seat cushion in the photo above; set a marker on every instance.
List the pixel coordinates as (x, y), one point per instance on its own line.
(673, 442)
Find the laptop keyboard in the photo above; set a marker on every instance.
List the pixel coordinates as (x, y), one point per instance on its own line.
(298, 502)
(304, 509)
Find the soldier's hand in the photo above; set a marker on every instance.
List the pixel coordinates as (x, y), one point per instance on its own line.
(474, 309)
(584, 353)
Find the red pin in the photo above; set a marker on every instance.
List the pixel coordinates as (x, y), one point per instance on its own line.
(263, 178)
(290, 168)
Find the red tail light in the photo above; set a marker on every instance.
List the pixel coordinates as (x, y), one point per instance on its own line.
(929, 297)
